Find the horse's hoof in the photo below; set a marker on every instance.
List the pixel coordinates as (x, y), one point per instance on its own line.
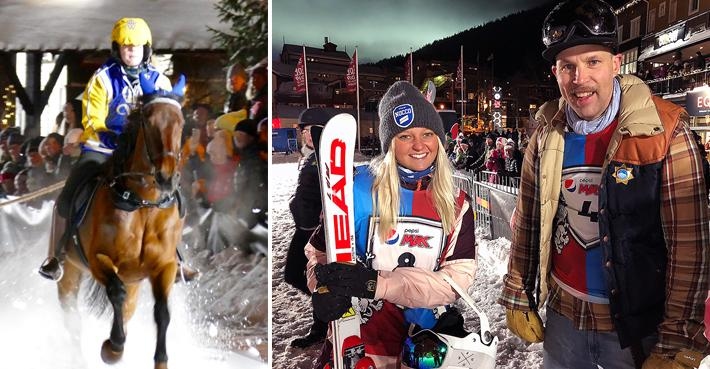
(108, 355)
(163, 365)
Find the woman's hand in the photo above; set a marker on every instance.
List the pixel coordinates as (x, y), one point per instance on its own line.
(347, 279)
(329, 306)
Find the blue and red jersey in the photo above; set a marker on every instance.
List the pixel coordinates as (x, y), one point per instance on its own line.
(577, 261)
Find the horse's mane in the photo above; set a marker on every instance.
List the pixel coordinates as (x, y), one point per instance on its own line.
(126, 142)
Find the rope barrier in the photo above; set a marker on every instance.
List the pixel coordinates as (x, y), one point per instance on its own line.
(35, 194)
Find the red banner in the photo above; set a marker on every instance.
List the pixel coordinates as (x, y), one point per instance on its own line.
(408, 68)
(351, 77)
(454, 131)
(299, 75)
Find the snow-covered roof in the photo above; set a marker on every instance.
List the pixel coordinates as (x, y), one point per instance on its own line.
(27, 25)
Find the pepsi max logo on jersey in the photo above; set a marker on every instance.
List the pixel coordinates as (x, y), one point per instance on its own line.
(589, 189)
(416, 240)
(585, 186)
(570, 185)
(403, 115)
(393, 237)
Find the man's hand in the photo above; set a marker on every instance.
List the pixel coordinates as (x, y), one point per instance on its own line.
(526, 324)
(347, 279)
(685, 359)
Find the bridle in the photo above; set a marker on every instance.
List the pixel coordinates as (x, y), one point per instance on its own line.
(126, 194)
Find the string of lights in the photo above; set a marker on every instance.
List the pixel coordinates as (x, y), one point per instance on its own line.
(7, 107)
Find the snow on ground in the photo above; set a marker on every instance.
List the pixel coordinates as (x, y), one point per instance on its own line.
(218, 322)
(291, 309)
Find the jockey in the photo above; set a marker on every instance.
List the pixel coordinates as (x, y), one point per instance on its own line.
(110, 95)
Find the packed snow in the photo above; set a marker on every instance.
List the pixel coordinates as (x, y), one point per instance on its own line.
(291, 309)
(217, 322)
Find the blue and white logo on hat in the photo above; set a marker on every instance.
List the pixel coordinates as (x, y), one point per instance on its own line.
(403, 115)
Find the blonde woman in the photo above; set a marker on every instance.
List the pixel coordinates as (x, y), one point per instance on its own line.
(411, 226)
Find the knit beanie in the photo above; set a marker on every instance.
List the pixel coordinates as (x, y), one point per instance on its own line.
(403, 107)
(247, 126)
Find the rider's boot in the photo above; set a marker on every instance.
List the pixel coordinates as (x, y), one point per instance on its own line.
(185, 272)
(52, 266)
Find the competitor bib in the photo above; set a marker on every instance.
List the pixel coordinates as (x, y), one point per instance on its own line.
(416, 242)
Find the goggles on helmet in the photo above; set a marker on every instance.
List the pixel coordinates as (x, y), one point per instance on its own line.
(427, 349)
(579, 18)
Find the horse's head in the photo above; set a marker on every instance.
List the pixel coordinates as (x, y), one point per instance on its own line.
(162, 123)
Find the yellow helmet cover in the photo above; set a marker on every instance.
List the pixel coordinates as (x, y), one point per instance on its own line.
(131, 31)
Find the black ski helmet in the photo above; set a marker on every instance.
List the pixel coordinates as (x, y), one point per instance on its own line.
(314, 117)
(579, 22)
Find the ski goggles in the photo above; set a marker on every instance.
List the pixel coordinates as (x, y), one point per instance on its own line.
(430, 350)
(579, 18)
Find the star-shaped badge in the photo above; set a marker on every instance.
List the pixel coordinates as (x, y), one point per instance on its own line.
(623, 174)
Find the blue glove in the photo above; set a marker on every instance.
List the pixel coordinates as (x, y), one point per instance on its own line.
(348, 279)
(109, 139)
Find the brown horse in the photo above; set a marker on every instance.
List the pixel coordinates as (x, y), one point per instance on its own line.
(132, 225)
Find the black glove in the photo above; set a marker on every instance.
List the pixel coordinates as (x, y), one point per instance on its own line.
(329, 306)
(348, 279)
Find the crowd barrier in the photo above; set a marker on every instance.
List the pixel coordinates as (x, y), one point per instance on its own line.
(493, 198)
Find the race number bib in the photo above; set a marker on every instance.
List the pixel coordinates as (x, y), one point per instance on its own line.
(416, 242)
(580, 192)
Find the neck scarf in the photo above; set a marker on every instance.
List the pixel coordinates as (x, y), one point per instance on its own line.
(585, 127)
(410, 176)
(133, 72)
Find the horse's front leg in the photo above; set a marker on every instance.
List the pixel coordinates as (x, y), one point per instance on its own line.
(68, 290)
(112, 348)
(161, 283)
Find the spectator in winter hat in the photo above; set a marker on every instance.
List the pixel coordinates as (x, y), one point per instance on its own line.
(34, 159)
(7, 176)
(245, 134)
(251, 176)
(51, 150)
(399, 285)
(306, 206)
(14, 148)
(37, 176)
(4, 136)
(21, 182)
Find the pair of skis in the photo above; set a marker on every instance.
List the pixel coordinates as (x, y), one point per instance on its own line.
(336, 154)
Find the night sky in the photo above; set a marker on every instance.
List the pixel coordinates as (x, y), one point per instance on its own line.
(381, 29)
